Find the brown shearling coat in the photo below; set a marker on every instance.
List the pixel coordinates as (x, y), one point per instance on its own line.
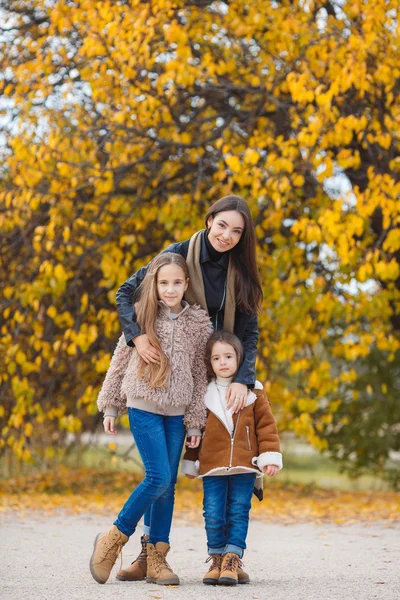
(253, 444)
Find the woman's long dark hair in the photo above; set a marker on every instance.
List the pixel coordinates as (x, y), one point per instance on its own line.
(248, 290)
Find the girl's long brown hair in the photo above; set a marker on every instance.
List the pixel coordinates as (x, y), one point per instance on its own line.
(248, 290)
(156, 374)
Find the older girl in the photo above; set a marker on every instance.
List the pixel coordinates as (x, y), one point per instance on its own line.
(162, 398)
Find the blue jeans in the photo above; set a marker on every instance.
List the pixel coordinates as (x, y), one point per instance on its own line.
(159, 440)
(226, 504)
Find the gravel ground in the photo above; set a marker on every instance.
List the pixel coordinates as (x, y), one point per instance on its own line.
(46, 557)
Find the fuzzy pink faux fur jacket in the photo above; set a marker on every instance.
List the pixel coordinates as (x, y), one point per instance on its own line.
(183, 339)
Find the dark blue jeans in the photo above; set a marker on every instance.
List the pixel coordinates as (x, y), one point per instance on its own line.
(159, 441)
(226, 504)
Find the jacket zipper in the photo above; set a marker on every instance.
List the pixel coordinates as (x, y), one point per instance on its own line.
(232, 441)
(248, 436)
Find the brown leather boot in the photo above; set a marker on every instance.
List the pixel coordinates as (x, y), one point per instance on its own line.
(229, 567)
(107, 547)
(158, 570)
(137, 570)
(212, 575)
(243, 577)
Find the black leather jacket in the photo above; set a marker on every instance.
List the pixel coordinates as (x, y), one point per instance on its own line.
(246, 325)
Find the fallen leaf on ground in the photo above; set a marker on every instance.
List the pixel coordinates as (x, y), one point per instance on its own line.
(92, 491)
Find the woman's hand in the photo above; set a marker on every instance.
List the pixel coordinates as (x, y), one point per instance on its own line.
(109, 425)
(236, 397)
(146, 350)
(271, 470)
(193, 441)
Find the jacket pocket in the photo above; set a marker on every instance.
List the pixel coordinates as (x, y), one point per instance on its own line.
(248, 437)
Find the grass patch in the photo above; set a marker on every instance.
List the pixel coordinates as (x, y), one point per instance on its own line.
(92, 491)
(302, 466)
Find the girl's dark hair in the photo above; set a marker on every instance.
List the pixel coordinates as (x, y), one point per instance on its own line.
(226, 337)
(248, 290)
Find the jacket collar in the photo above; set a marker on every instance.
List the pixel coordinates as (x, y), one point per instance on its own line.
(165, 310)
(214, 405)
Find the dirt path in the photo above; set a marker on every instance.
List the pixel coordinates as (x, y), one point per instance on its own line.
(47, 558)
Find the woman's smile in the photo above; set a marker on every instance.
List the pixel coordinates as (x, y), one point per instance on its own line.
(227, 223)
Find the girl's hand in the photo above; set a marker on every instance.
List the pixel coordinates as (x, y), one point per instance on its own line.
(236, 397)
(193, 441)
(190, 476)
(271, 470)
(146, 350)
(109, 425)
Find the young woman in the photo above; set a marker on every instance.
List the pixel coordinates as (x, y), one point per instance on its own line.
(165, 402)
(235, 449)
(224, 281)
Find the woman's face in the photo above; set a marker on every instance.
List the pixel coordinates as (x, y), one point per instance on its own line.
(225, 230)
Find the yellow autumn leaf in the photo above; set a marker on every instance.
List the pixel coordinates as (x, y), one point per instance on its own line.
(233, 163)
(28, 429)
(251, 157)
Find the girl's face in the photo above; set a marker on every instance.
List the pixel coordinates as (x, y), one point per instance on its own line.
(225, 230)
(171, 285)
(223, 360)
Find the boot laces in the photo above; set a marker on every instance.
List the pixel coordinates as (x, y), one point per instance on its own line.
(232, 563)
(216, 561)
(111, 550)
(160, 562)
(143, 553)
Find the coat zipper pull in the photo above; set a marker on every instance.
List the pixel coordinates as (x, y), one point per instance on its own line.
(248, 436)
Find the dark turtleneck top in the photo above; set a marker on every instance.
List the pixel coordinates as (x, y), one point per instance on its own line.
(214, 267)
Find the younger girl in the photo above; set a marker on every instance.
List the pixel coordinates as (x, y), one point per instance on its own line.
(162, 398)
(235, 449)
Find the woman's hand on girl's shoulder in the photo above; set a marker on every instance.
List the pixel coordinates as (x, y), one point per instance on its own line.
(271, 470)
(109, 425)
(236, 396)
(146, 350)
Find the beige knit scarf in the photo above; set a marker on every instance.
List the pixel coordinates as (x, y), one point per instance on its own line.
(195, 293)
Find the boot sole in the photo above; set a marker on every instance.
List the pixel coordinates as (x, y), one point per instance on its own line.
(162, 581)
(92, 571)
(244, 581)
(210, 581)
(121, 578)
(227, 581)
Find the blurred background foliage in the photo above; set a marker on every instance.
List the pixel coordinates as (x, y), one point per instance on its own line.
(122, 122)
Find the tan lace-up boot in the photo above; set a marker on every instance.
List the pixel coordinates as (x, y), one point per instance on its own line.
(229, 567)
(213, 573)
(136, 571)
(107, 547)
(158, 570)
(243, 577)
